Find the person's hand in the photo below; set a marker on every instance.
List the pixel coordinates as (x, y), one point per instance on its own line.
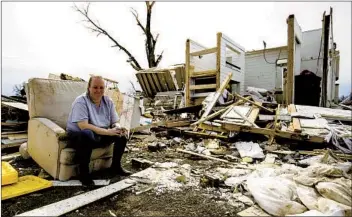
(112, 132)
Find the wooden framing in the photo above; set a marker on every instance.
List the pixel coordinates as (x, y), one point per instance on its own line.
(204, 73)
(294, 38)
(271, 132)
(204, 52)
(210, 106)
(188, 61)
(215, 114)
(253, 103)
(295, 121)
(203, 86)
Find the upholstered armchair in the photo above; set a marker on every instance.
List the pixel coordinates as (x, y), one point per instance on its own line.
(49, 104)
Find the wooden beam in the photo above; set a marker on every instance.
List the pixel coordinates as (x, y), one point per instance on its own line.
(73, 203)
(187, 67)
(182, 123)
(244, 117)
(253, 103)
(272, 137)
(202, 86)
(10, 156)
(218, 58)
(265, 131)
(215, 114)
(204, 52)
(204, 126)
(290, 60)
(295, 121)
(157, 82)
(146, 84)
(145, 127)
(150, 80)
(205, 134)
(204, 73)
(210, 106)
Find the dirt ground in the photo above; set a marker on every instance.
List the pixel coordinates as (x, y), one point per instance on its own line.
(187, 202)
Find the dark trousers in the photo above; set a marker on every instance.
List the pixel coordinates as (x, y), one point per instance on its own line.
(85, 141)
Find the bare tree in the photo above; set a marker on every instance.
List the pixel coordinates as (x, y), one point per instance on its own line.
(150, 41)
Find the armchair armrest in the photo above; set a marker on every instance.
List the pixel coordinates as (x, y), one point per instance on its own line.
(44, 144)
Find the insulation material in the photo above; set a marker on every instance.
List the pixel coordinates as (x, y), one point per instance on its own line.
(275, 195)
(333, 208)
(249, 149)
(309, 196)
(310, 213)
(336, 192)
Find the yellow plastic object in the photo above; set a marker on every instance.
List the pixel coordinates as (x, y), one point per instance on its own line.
(8, 174)
(25, 185)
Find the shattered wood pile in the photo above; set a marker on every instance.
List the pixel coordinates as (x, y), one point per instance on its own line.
(14, 122)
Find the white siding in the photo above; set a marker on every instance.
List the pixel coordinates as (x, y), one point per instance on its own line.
(310, 52)
(238, 59)
(261, 74)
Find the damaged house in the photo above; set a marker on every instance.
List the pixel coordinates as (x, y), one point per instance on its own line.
(314, 59)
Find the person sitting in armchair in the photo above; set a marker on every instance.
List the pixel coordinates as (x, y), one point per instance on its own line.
(92, 123)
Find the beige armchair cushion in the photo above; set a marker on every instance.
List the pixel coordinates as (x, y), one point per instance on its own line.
(53, 99)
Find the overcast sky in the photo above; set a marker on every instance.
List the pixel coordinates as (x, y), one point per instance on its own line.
(39, 38)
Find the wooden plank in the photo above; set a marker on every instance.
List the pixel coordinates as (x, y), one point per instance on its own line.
(98, 182)
(290, 60)
(8, 141)
(141, 82)
(157, 82)
(182, 123)
(10, 156)
(11, 145)
(202, 86)
(151, 82)
(169, 81)
(163, 82)
(16, 136)
(17, 105)
(272, 137)
(73, 203)
(204, 52)
(269, 132)
(206, 73)
(254, 114)
(215, 114)
(210, 106)
(204, 126)
(188, 61)
(253, 103)
(146, 84)
(14, 124)
(244, 117)
(295, 121)
(205, 134)
(13, 132)
(218, 58)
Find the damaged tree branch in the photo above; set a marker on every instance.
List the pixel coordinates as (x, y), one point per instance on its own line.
(150, 42)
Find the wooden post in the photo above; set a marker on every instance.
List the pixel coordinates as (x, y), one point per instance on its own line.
(188, 60)
(290, 59)
(218, 59)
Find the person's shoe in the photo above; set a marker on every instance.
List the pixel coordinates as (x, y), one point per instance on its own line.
(86, 180)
